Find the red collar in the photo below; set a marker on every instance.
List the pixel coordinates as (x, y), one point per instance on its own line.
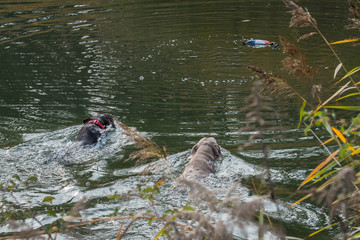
(97, 123)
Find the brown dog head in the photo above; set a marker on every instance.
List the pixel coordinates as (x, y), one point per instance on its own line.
(210, 142)
(202, 159)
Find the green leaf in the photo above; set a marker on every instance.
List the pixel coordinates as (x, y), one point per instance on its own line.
(311, 176)
(326, 169)
(312, 234)
(349, 95)
(114, 197)
(32, 179)
(59, 223)
(48, 199)
(16, 177)
(327, 175)
(116, 210)
(329, 129)
(51, 213)
(160, 233)
(188, 208)
(170, 211)
(146, 190)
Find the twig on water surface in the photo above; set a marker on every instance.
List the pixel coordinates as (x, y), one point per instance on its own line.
(119, 232)
(132, 221)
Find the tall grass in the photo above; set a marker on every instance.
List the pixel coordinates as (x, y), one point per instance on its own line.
(335, 181)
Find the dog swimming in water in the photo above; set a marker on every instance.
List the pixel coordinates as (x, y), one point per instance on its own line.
(202, 159)
(93, 128)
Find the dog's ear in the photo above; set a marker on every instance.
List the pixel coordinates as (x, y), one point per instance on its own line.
(194, 149)
(86, 120)
(112, 122)
(217, 152)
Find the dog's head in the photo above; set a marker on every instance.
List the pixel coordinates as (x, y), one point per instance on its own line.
(105, 119)
(211, 142)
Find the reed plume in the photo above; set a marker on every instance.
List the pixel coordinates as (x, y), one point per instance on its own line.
(300, 17)
(273, 84)
(342, 198)
(258, 109)
(306, 36)
(259, 105)
(298, 64)
(148, 149)
(205, 221)
(342, 195)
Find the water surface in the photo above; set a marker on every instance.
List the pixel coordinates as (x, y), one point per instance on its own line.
(174, 70)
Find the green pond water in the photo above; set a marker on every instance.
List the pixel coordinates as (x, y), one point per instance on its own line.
(174, 70)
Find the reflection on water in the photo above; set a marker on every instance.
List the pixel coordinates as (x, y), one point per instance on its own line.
(174, 70)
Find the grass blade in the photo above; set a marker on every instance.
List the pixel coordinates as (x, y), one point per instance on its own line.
(351, 72)
(350, 108)
(329, 140)
(330, 98)
(323, 186)
(320, 166)
(326, 175)
(312, 234)
(301, 199)
(349, 95)
(343, 139)
(160, 233)
(337, 69)
(345, 41)
(339, 134)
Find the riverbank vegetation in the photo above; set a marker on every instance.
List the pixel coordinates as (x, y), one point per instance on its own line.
(334, 183)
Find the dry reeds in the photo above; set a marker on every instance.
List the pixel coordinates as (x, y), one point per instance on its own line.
(300, 17)
(298, 64)
(148, 149)
(273, 84)
(342, 198)
(259, 105)
(257, 111)
(342, 195)
(216, 219)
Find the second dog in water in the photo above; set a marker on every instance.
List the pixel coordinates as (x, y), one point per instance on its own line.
(202, 159)
(92, 129)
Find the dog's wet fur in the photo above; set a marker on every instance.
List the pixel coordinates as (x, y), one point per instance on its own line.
(90, 133)
(202, 159)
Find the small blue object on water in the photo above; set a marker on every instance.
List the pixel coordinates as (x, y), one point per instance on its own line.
(258, 43)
